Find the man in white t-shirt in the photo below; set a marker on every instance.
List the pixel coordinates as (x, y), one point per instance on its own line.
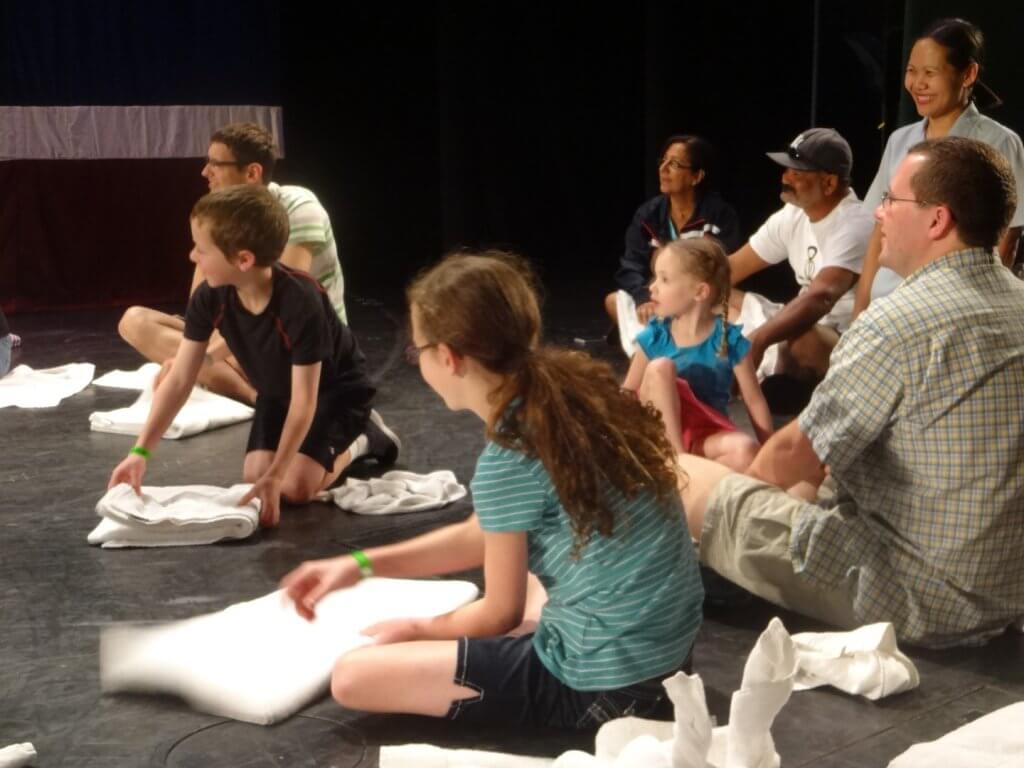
(823, 232)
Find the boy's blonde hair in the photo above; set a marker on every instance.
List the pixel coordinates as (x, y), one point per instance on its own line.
(245, 217)
(705, 259)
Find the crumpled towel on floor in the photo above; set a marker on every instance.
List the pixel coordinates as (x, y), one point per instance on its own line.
(629, 325)
(993, 741)
(203, 411)
(17, 755)
(689, 742)
(173, 516)
(25, 387)
(259, 661)
(397, 491)
(140, 379)
(864, 662)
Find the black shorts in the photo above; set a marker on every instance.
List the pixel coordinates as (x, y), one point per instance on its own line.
(515, 688)
(339, 419)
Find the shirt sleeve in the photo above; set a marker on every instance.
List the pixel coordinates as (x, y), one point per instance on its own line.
(769, 242)
(857, 399)
(651, 338)
(201, 313)
(507, 495)
(307, 329)
(848, 242)
(1010, 145)
(873, 198)
(737, 345)
(307, 220)
(634, 271)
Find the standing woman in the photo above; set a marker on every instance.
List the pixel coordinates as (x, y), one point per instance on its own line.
(943, 78)
(686, 205)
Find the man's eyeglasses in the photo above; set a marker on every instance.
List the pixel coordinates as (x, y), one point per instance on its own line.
(412, 352)
(673, 164)
(888, 200)
(221, 163)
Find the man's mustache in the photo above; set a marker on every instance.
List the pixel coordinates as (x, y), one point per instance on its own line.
(787, 188)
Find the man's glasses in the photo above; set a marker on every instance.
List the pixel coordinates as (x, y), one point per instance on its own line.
(888, 200)
(221, 163)
(412, 352)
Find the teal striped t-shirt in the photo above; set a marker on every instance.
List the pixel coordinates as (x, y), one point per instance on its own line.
(628, 608)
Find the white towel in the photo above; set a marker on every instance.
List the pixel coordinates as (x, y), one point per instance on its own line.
(259, 661)
(17, 755)
(629, 324)
(689, 742)
(397, 491)
(139, 379)
(27, 388)
(993, 741)
(864, 662)
(173, 516)
(203, 411)
(755, 311)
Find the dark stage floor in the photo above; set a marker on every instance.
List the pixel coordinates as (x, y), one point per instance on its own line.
(56, 592)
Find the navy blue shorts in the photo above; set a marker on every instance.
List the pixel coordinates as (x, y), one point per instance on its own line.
(339, 419)
(515, 688)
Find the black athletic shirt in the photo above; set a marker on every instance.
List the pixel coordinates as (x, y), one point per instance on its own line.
(297, 327)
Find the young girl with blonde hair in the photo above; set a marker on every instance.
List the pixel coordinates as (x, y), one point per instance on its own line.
(688, 354)
(577, 485)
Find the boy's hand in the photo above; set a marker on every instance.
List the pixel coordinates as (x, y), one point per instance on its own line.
(395, 631)
(129, 471)
(315, 578)
(268, 490)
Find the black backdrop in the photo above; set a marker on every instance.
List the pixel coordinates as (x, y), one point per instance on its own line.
(534, 126)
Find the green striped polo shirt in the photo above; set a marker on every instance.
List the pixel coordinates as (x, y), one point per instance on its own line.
(311, 226)
(628, 608)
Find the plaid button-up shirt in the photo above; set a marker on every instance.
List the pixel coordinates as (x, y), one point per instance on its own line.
(921, 421)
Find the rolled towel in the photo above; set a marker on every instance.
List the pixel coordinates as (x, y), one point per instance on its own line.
(864, 662)
(259, 661)
(397, 491)
(17, 755)
(755, 311)
(629, 324)
(203, 411)
(173, 516)
(25, 387)
(993, 741)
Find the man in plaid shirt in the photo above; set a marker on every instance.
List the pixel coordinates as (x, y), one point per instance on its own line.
(920, 424)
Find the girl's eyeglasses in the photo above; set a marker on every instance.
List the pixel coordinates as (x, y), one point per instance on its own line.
(412, 352)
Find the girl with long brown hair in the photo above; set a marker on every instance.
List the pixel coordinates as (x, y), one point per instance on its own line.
(577, 485)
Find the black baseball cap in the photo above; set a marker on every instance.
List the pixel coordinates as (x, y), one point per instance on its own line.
(818, 149)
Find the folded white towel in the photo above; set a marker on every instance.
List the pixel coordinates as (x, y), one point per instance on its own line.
(141, 378)
(993, 741)
(755, 311)
(203, 411)
(397, 491)
(629, 324)
(27, 388)
(864, 662)
(259, 661)
(17, 755)
(689, 742)
(176, 515)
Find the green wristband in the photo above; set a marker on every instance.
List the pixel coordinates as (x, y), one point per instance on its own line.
(365, 566)
(138, 450)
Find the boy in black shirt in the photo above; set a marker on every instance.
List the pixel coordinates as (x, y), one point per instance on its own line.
(313, 397)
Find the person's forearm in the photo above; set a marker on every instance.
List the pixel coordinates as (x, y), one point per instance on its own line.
(868, 272)
(786, 459)
(793, 320)
(457, 547)
(478, 619)
(296, 427)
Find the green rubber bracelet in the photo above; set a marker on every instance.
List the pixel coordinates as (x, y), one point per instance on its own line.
(138, 450)
(365, 566)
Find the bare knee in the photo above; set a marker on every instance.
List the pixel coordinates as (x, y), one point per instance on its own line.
(611, 306)
(349, 680)
(300, 488)
(131, 324)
